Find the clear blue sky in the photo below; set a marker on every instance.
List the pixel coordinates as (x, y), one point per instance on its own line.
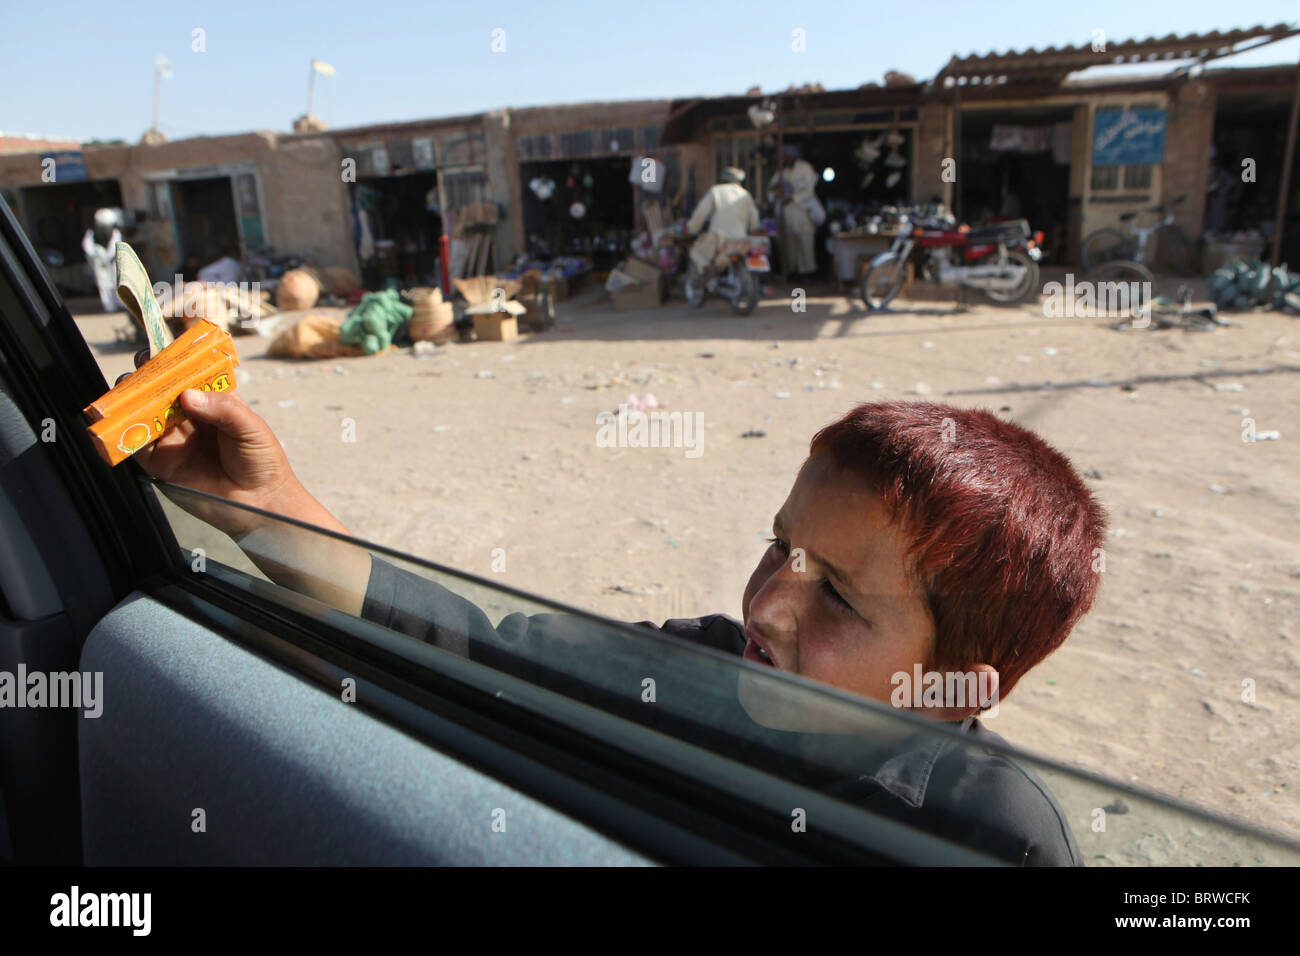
(86, 70)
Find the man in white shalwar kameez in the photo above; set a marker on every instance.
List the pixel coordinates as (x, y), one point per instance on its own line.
(731, 214)
(100, 246)
(797, 182)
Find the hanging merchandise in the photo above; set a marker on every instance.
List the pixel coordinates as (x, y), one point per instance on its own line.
(868, 151)
(588, 180)
(892, 179)
(577, 210)
(543, 187)
(868, 179)
(895, 159)
(895, 138)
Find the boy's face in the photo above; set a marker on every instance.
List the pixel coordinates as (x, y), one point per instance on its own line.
(831, 600)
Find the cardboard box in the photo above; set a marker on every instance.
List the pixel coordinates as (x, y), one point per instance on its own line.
(496, 327)
(648, 290)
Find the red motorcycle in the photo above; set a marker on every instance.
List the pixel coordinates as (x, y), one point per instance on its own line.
(1000, 260)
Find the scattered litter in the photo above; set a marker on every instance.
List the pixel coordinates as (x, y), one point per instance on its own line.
(1022, 358)
(338, 370)
(1005, 408)
(1209, 363)
(927, 345)
(287, 403)
(485, 373)
(644, 404)
(1097, 383)
(877, 384)
(1263, 436)
(1239, 411)
(1219, 489)
(334, 408)
(423, 349)
(782, 395)
(992, 380)
(920, 388)
(1227, 386)
(1093, 473)
(622, 589)
(754, 433)
(1128, 388)
(1119, 807)
(507, 358)
(672, 542)
(567, 400)
(705, 355)
(1197, 672)
(442, 428)
(1049, 351)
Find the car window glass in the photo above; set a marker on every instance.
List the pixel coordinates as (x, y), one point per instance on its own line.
(871, 762)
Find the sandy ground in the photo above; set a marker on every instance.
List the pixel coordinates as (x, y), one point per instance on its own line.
(488, 445)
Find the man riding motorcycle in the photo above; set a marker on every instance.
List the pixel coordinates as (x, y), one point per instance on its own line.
(731, 213)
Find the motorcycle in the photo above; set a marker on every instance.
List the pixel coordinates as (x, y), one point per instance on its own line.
(738, 283)
(1000, 259)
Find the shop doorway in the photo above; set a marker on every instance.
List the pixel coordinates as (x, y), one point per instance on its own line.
(1015, 164)
(601, 186)
(1252, 127)
(206, 221)
(57, 217)
(858, 172)
(404, 222)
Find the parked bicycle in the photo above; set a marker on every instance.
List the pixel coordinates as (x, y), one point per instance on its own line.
(1176, 254)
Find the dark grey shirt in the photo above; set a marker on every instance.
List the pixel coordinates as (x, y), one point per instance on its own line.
(968, 794)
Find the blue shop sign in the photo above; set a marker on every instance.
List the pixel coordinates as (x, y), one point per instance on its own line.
(1128, 137)
(69, 167)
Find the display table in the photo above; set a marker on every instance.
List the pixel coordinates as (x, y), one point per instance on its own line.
(848, 248)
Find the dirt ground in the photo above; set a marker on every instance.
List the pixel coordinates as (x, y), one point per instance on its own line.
(489, 445)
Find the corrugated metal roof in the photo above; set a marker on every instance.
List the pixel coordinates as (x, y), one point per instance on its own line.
(1052, 65)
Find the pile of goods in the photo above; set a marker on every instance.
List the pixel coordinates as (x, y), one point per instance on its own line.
(1240, 285)
(373, 323)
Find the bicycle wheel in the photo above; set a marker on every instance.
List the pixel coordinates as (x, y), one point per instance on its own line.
(1102, 246)
(883, 282)
(1177, 253)
(1121, 270)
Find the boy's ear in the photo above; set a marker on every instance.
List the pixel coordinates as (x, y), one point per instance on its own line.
(986, 689)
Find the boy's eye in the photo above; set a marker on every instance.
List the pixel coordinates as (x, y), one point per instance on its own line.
(837, 597)
(780, 545)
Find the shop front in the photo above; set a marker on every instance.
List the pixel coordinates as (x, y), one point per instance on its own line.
(56, 216)
(408, 186)
(583, 196)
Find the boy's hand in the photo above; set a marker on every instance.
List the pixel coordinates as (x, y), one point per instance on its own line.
(226, 449)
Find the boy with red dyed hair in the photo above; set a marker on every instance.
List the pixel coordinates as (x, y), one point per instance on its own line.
(918, 537)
